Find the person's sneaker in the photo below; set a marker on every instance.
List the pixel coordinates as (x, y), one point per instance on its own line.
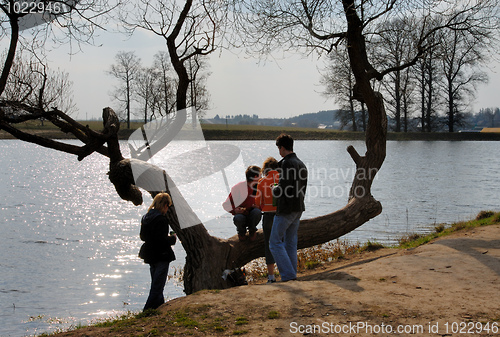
(271, 280)
(242, 237)
(253, 236)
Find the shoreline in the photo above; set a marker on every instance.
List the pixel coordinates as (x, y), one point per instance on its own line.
(247, 132)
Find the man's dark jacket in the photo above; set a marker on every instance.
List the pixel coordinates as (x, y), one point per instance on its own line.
(292, 185)
(157, 245)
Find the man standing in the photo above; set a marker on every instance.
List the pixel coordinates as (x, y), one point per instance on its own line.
(289, 195)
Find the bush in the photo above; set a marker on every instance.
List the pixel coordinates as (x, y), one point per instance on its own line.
(372, 246)
(484, 215)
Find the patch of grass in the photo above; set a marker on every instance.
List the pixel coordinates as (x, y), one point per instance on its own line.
(371, 246)
(409, 240)
(219, 328)
(484, 218)
(148, 313)
(273, 314)
(312, 264)
(240, 332)
(439, 228)
(217, 325)
(484, 215)
(182, 319)
(116, 321)
(241, 320)
(154, 332)
(307, 258)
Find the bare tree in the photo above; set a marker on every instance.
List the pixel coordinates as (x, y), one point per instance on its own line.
(29, 91)
(70, 21)
(322, 26)
(427, 77)
(32, 82)
(188, 28)
(126, 70)
(146, 91)
(461, 55)
(167, 83)
(393, 45)
(164, 84)
(198, 93)
(338, 81)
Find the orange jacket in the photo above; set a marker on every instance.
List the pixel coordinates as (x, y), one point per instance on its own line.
(264, 199)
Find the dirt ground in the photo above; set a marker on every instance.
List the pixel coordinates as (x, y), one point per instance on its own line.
(449, 287)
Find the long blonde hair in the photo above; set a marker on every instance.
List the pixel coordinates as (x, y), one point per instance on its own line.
(160, 201)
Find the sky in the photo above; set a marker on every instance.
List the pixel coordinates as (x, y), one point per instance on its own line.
(238, 84)
(280, 88)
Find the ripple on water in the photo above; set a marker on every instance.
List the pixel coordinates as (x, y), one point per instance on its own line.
(74, 237)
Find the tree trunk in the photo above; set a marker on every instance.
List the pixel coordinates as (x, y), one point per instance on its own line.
(422, 95)
(128, 101)
(11, 54)
(176, 61)
(451, 104)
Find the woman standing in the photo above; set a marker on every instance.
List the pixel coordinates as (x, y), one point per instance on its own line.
(264, 201)
(156, 250)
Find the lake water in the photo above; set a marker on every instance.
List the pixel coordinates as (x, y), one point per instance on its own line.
(69, 243)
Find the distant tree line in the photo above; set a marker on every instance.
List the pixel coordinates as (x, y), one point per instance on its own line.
(488, 118)
(335, 119)
(434, 93)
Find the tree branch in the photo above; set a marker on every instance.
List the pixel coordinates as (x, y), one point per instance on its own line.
(42, 141)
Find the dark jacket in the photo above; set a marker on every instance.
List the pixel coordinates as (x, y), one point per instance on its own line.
(155, 233)
(292, 185)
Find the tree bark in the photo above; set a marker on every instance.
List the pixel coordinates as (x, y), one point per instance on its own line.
(11, 54)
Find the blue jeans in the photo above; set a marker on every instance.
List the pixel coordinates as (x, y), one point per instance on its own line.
(283, 244)
(250, 221)
(159, 272)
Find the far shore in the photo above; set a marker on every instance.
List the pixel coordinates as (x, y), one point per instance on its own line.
(258, 132)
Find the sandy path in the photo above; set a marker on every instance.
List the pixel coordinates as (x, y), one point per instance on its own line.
(449, 286)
